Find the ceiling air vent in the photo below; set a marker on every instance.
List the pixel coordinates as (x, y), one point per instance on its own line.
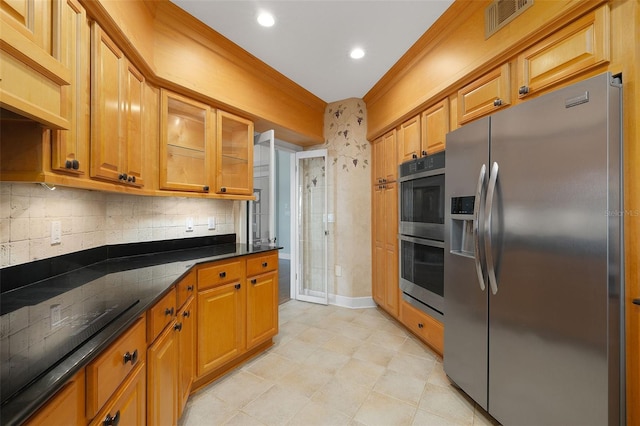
(501, 12)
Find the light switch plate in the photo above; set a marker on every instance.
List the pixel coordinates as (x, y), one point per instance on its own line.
(211, 222)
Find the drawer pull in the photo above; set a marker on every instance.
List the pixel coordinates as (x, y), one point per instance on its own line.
(237, 286)
(169, 311)
(190, 288)
(636, 301)
(186, 314)
(497, 102)
(112, 421)
(130, 357)
(178, 326)
(265, 264)
(420, 325)
(254, 281)
(222, 274)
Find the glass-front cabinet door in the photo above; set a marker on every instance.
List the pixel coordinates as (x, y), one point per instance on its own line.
(184, 148)
(234, 159)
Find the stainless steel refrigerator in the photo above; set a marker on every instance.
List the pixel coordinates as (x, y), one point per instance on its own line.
(533, 258)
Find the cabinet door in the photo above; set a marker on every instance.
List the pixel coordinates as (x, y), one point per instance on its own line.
(187, 349)
(65, 408)
(378, 226)
(162, 380)
(390, 156)
(262, 308)
(409, 145)
(107, 135)
(128, 405)
(185, 144)
(377, 152)
(391, 248)
(579, 46)
(435, 126)
(31, 18)
(234, 159)
(221, 325)
(134, 141)
(485, 95)
(70, 147)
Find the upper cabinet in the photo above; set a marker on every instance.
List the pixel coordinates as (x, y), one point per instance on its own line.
(186, 144)
(69, 148)
(32, 75)
(116, 113)
(234, 156)
(580, 46)
(435, 126)
(409, 145)
(385, 166)
(485, 95)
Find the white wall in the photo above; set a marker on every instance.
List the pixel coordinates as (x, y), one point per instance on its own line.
(91, 219)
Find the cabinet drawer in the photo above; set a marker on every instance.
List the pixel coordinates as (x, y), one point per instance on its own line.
(186, 288)
(128, 404)
(426, 328)
(261, 264)
(221, 273)
(160, 315)
(109, 370)
(487, 94)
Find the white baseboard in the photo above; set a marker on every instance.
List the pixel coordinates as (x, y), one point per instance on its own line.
(352, 302)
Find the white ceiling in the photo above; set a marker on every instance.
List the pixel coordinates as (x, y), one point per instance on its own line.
(311, 39)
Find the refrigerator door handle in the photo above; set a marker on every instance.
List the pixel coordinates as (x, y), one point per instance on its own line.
(493, 178)
(476, 225)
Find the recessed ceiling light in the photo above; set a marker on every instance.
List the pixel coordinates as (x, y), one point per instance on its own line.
(357, 53)
(266, 19)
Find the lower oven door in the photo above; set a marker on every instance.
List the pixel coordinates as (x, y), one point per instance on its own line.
(422, 271)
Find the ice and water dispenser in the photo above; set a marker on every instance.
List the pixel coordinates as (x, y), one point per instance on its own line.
(462, 226)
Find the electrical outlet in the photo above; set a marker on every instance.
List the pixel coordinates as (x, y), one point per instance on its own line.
(189, 224)
(56, 232)
(338, 271)
(211, 222)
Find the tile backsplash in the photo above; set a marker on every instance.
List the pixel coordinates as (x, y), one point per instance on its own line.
(91, 219)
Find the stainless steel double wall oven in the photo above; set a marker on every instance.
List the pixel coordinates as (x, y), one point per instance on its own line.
(421, 211)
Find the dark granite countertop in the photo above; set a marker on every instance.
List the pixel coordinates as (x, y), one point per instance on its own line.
(54, 327)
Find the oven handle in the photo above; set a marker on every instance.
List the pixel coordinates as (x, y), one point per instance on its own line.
(423, 241)
(476, 226)
(493, 179)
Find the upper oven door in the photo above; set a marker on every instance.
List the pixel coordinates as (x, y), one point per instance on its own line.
(422, 205)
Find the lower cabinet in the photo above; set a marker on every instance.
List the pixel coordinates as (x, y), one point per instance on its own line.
(428, 329)
(162, 381)
(186, 352)
(127, 406)
(262, 299)
(65, 408)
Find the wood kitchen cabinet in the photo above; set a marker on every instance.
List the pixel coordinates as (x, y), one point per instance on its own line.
(65, 408)
(70, 148)
(578, 47)
(117, 89)
(435, 126)
(186, 352)
(385, 290)
(128, 404)
(409, 140)
(234, 155)
(163, 377)
(222, 307)
(186, 143)
(428, 329)
(262, 298)
(485, 95)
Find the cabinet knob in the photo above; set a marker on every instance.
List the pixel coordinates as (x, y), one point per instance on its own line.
(424, 153)
(169, 311)
(420, 325)
(636, 301)
(254, 281)
(237, 286)
(223, 189)
(75, 164)
(68, 164)
(414, 155)
(265, 264)
(523, 90)
(205, 188)
(177, 327)
(112, 420)
(186, 314)
(222, 274)
(130, 357)
(189, 288)
(497, 102)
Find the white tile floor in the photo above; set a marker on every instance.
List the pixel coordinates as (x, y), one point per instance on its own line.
(336, 366)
